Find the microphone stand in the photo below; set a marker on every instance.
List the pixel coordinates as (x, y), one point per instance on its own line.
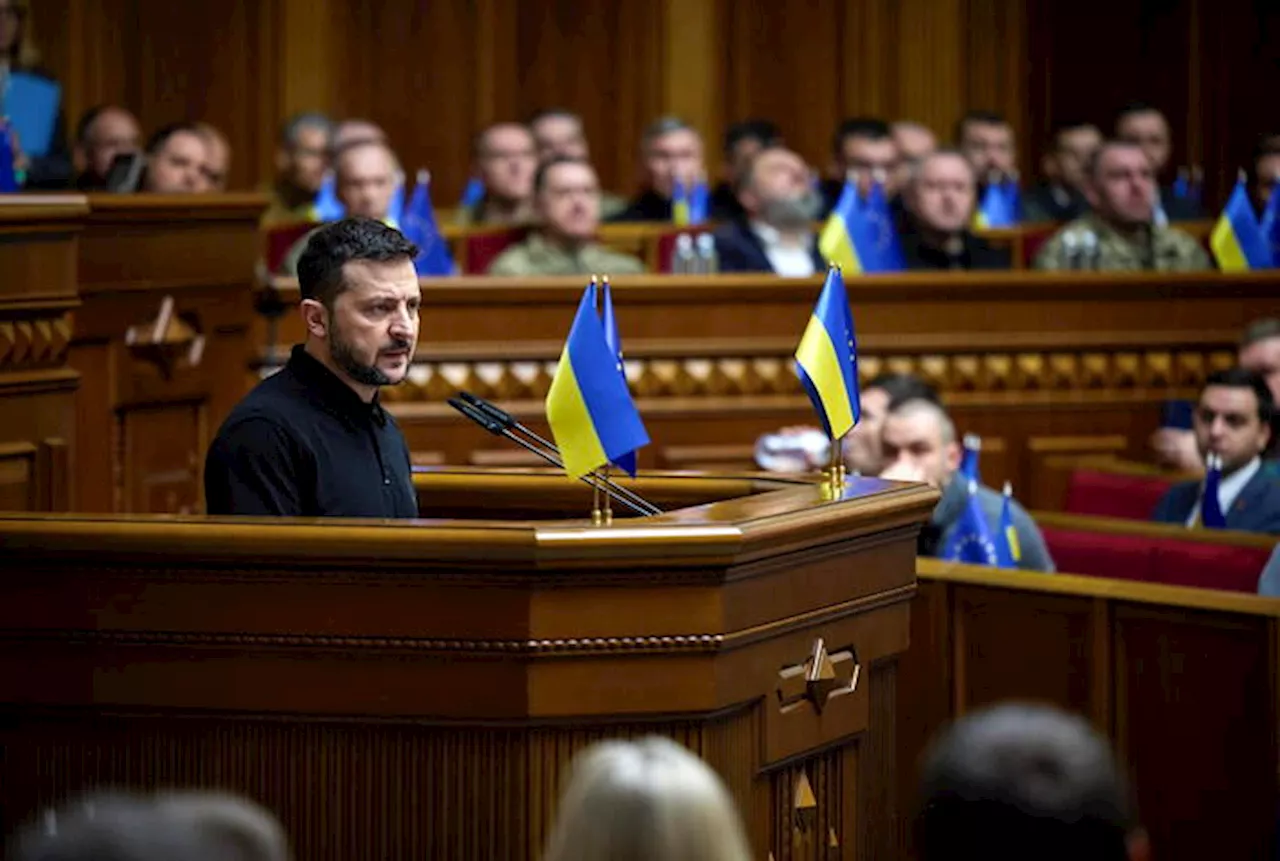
(486, 415)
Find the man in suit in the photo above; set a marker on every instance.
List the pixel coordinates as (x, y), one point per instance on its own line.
(864, 147)
(1061, 196)
(1147, 127)
(776, 234)
(1233, 421)
(671, 151)
(918, 443)
(940, 197)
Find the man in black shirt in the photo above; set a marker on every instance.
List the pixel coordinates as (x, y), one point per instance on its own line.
(312, 440)
(940, 199)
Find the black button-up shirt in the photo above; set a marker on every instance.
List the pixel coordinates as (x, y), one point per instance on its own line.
(303, 444)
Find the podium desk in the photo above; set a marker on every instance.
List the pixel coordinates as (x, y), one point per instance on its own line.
(416, 689)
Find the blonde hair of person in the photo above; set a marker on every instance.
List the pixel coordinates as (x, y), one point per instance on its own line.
(647, 800)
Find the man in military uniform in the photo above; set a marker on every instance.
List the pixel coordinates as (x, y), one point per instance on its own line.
(1119, 235)
(567, 202)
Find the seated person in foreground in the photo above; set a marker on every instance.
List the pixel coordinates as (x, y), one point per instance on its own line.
(776, 234)
(940, 196)
(312, 440)
(365, 176)
(643, 801)
(176, 156)
(567, 203)
(1019, 781)
(919, 442)
(1233, 421)
(1120, 233)
(742, 143)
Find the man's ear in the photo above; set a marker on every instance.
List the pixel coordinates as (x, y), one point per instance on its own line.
(954, 455)
(315, 317)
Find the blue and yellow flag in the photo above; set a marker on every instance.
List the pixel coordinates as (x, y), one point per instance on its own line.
(970, 539)
(418, 224)
(881, 250)
(589, 406)
(680, 210)
(837, 243)
(999, 204)
(1237, 241)
(626, 461)
(327, 206)
(827, 359)
(1008, 549)
(473, 193)
(1270, 224)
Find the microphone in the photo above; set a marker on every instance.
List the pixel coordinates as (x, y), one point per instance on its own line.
(498, 427)
(509, 422)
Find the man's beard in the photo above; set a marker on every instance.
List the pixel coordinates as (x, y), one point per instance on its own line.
(344, 356)
(792, 213)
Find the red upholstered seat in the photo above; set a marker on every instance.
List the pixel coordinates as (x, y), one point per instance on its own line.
(1114, 494)
(1171, 560)
(483, 248)
(667, 245)
(278, 240)
(1033, 239)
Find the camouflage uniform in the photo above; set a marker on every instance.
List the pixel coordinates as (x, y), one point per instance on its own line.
(1090, 243)
(536, 256)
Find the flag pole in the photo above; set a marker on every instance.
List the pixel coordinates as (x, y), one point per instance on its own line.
(600, 514)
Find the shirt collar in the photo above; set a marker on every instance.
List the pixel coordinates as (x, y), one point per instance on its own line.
(331, 392)
(1232, 485)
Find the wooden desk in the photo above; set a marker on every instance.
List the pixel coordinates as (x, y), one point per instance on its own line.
(1185, 681)
(166, 284)
(38, 236)
(1040, 364)
(415, 690)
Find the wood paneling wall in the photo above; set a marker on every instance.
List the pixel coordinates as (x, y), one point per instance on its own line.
(433, 73)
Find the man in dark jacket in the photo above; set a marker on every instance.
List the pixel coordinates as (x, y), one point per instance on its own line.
(940, 198)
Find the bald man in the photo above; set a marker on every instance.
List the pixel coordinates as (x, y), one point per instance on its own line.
(775, 233)
(506, 158)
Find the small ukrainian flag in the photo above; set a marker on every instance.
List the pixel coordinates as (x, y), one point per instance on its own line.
(827, 359)
(1237, 240)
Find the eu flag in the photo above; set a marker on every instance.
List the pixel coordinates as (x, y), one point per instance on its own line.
(827, 359)
(1270, 224)
(473, 193)
(8, 175)
(1237, 241)
(699, 202)
(970, 540)
(625, 462)
(589, 407)
(418, 223)
(883, 249)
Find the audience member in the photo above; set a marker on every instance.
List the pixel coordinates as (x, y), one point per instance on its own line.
(986, 139)
(919, 444)
(1232, 421)
(50, 169)
(776, 232)
(365, 177)
(940, 200)
(217, 164)
(671, 151)
(864, 147)
(176, 156)
(302, 157)
(567, 205)
(1119, 234)
(505, 160)
(1014, 781)
(313, 440)
(742, 141)
(647, 800)
(1264, 173)
(103, 134)
(558, 133)
(1259, 352)
(1061, 196)
(1145, 126)
(914, 141)
(193, 826)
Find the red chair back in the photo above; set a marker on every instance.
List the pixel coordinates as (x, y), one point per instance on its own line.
(667, 245)
(483, 248)
(278, 240)
(1033, 239)
(1113, 494)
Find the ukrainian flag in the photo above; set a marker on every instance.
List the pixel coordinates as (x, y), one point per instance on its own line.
(837, 243)
(1237, 241)
(1008, 549)
(827, 359)
(680, 208)
(589, 406)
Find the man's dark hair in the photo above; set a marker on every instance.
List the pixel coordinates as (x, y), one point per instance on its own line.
(540, 175)
(903, 387)
(977, 118)
(1020, 781)
(161, 136)
(1067, 126)
(292, 128)
(1239, 378)
(331, 247)
(872, 128)
(765, 132)
(1260, 330)
(1136, 107)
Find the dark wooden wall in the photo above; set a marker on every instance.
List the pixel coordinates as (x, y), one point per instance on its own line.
(432, 73)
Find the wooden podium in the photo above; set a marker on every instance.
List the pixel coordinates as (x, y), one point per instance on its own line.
(415, 690)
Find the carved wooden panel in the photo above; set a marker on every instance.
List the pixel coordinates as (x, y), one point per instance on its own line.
(163, 458)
